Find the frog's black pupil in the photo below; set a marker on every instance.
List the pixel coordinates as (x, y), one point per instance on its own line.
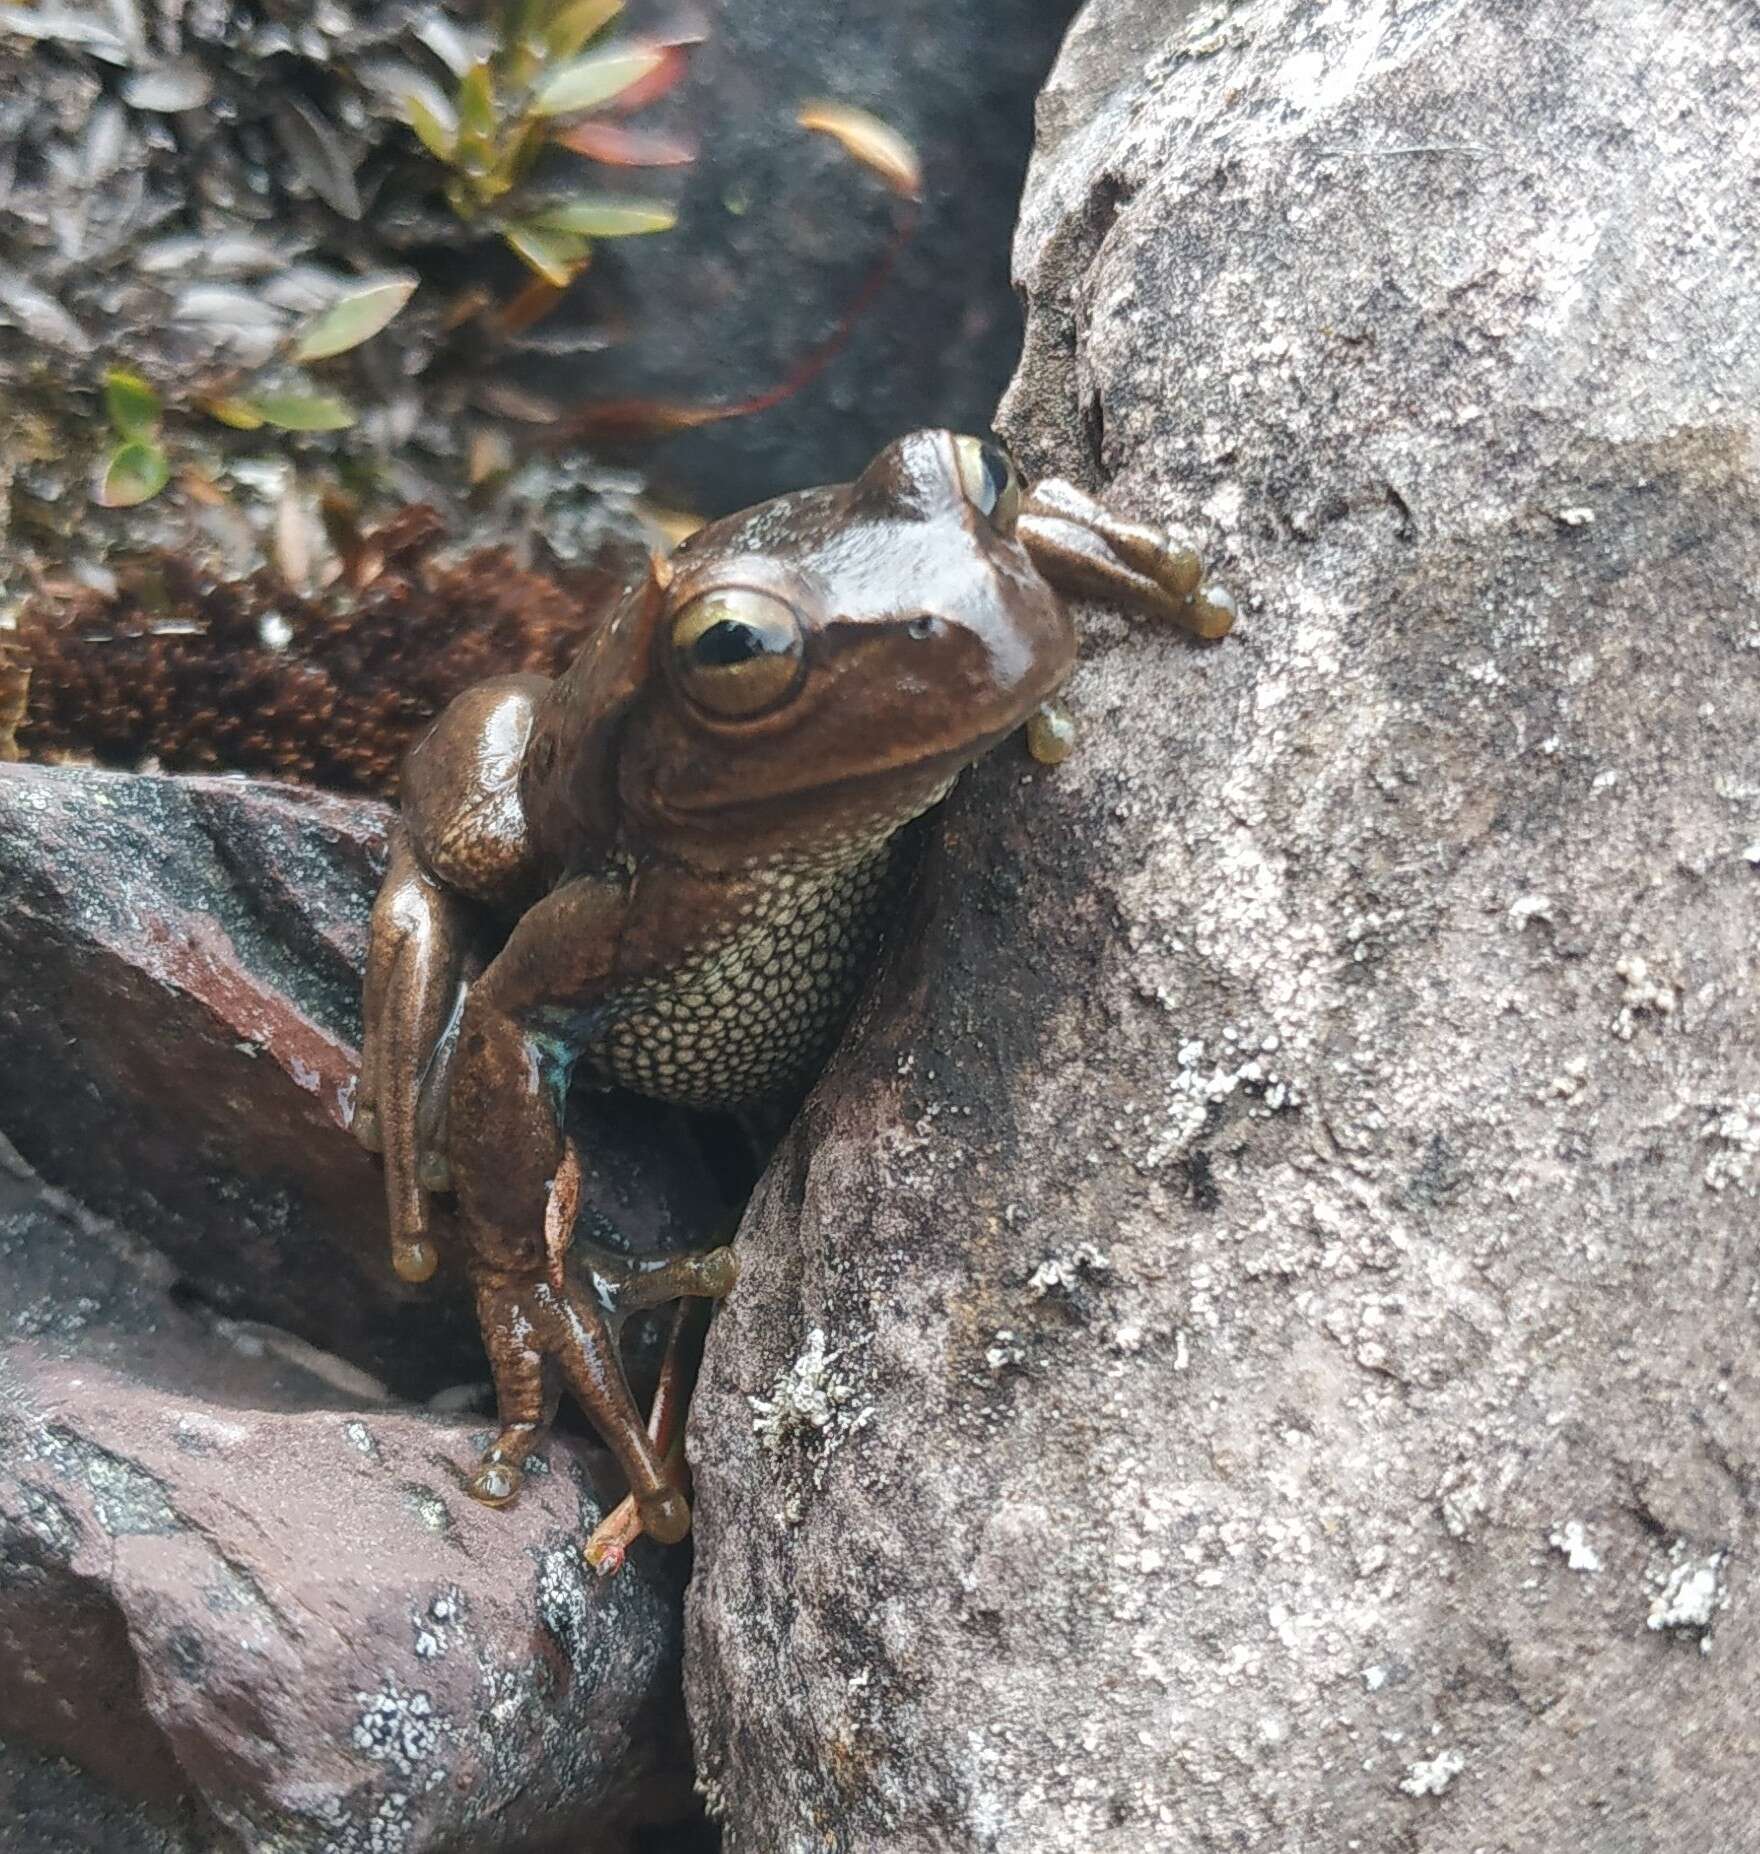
(996, 477)
(731, 640)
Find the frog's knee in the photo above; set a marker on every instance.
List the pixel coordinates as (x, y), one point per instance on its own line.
(461, 790)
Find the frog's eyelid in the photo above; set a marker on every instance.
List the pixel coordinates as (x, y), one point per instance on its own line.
(989, 479)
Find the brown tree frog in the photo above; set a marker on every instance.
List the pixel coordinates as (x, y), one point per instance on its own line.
(685, 846)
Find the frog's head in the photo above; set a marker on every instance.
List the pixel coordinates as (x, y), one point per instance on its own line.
(822, 666)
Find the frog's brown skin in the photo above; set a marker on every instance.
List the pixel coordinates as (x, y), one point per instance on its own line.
(690, 839)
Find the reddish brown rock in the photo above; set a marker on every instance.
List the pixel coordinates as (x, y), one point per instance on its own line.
(246, 1606)
(242, 1590)
(49, 1804)
(179, 1017)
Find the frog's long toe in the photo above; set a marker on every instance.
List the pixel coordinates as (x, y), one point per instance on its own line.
(606, 1549)
(1082, 547)
(623, 1285)
(584, 1343)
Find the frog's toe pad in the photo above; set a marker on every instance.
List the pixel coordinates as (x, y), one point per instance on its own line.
(414, 1258)
(365, 1128)
(496, 1482)
(1211, 611)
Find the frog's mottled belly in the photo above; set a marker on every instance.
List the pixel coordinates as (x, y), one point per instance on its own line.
(755, 1011)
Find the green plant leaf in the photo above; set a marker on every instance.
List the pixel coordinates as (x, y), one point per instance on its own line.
(132, 404)
(555, 255)
(597, 78)
(237, 413)
(356, 316)
(522, 149)
(476, 102)
(434, 120)
(573, 25)
(602, 216)
(136, 472)
(300, 411)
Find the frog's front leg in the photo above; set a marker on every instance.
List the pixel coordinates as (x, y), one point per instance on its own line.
(458, 856)
(1084, 549)
(544, 1302)
(416, 958)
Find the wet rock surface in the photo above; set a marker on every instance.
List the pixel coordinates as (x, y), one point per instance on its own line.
(1252, 1344)
(244, 1598)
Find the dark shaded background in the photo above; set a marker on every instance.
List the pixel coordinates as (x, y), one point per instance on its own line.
(778, 228)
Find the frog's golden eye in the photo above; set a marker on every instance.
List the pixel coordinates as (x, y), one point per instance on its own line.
(738, 652)
(991, 482)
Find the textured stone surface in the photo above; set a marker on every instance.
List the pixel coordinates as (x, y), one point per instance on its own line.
(1252, 1347)
(51, 1805)
(252, 1605)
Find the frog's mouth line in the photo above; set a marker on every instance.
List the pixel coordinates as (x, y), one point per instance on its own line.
(939, 770)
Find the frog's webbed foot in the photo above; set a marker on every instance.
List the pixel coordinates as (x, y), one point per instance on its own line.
(531, 1325)
(1085, 549)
